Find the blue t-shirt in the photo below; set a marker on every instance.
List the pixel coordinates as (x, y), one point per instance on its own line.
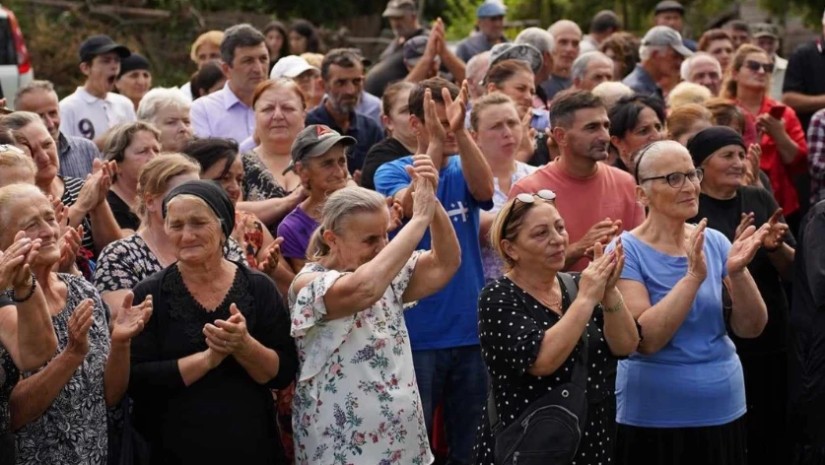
(448, 318)
(696, 379)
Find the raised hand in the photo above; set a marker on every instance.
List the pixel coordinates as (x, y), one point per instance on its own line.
(754, 158)
(273, 257)
(765, 123)
(745, 220)
(744, 248)
(597, 275)
(618, 252)
(424, 200)
(777, 231)
(15, 261)
(69, 244)
(396, 214)
(431, 120)
(230, 335)
(131, 319)
(695, 250)
(456, 109)
(79, 324)
(600, 233)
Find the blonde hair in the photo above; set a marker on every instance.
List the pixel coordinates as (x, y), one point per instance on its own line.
(487, 101)
(210, 37)
(314, 59)
(681, 120)
(687, 92)
(729, 85)
(342, 204)
(13, 157)
(514, 213)
(156, 173)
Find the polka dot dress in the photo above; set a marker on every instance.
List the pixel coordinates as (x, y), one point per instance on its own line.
(511, 328)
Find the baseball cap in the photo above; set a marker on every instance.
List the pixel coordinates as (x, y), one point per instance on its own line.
(763, 30)
(523, 52)
(291, 67)
(668, 5)
(663, 35)
(396, 8)
(491, 8)
(414, 49)
(100, 44)
(316, 140)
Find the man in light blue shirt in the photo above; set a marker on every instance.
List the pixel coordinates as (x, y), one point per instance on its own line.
(228, 112)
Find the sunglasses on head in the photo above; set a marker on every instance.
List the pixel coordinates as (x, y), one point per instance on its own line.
(545, 194)
(755, 66)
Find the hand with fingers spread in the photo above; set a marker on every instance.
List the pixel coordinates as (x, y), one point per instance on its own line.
(69, 245)
(79, 324)
(131, 319)
(431, 120)
(754, 158)
(273, 257)
(745, 220)
(15, 261)
(597, 275)
(695, 250)
(228, 336)
(744, 248)
(777, 231)
(457, 109)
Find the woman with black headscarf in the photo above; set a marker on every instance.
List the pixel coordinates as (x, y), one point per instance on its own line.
(219, 341)
(730, 208)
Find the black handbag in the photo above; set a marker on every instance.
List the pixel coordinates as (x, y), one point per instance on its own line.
(550, 429)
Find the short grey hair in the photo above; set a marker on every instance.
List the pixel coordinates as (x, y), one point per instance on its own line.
(158, 99)
(646, 51)
(537, 37)
(36, 85)
(239, 35)
(342, 204)
(20, 119)
(687, 64)
(611, 92)
(654, 151)
(579, 68)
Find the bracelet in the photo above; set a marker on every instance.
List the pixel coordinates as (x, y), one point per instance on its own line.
(615, 308)
(28, 296)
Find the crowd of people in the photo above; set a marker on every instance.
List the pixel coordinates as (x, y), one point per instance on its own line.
(566, 248)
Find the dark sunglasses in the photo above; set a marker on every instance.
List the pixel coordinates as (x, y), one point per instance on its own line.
(545, 194)
(755, 66)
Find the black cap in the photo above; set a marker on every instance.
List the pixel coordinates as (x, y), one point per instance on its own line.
(133, 62)
(669, 5)
(100, 44)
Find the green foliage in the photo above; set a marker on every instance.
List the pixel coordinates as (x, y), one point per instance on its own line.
(460, 18)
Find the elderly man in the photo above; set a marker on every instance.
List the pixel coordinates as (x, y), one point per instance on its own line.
(567, 36)
(403, 18)
(766, 37)
(662, 53)
(544, 42)
(490, 25)
(476, 69)
(603, 24)
(703, 68)
(671, 13)
(591, 69)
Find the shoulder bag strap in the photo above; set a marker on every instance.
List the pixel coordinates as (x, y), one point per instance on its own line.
(579, 376)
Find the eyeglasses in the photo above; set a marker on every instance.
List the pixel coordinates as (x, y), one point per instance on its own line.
(677, 180)
(755, 66)
(545, 194)
(11, 148)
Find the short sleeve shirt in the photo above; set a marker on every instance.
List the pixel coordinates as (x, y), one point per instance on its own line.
(84, 115)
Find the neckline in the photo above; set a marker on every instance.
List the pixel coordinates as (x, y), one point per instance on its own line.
(653, 249)
(224, 302)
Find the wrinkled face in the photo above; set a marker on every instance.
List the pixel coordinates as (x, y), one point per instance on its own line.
(274, 41)
(230, 178)
(747, 77)
(43, 150)
(499, 131)
(670, 62)
(206, 53)
(521, 87)
(648, 129)
(706, 73)
(363, 236)
(567, 47)
(307, 82)
(344, 87)
(45, 104)
(175, 127)
(249, 67)
(404, 25)
(597, 72)
(34, 215)
(722, 50)
(193, 229)
(725, 167)
(589, 135)
(102, 71)
(279, 115)
(144, 147)
(325, 174)
(768, 44)
(297, 43)
(492, 27)
(134, 84)
(671, 19)
(542, 238)
(398, 121)
(681, 202)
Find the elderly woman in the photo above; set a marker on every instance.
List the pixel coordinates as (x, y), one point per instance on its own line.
(531, 325)
(401, 139)
(725, 112)
(168, 111)
(356, 400)
(130, 146)
(784, 148)
(219, 340)
(269, 191)
(59, 412)
(672, 283)
(134, 79)
(687, 120)
(635, 122)
(729, 208)
(205, 49)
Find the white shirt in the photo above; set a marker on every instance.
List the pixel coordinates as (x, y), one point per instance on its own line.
(780, 65)
(84, 115)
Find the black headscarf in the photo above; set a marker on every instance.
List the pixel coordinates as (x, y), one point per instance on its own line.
(213, 194)
(708, 140)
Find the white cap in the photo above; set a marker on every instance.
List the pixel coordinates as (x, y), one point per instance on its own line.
(291, 66)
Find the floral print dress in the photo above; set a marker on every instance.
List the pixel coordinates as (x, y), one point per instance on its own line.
(356, 401)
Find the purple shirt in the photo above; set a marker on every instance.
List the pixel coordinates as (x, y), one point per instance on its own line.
(222, 115)
(296, 228)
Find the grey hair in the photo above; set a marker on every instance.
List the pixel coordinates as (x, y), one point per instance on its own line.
(159, 98)
(20, 119)
(477, 68)
(611, 92)
(654, 151)
(239, 35)
(38, 84)
(8, 194)
(562, 23)
(537, 37)
(339, 206)
(646, 51)
(579, 68)
(687, 64)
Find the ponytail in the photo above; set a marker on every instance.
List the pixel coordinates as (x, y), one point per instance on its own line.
(317, 247)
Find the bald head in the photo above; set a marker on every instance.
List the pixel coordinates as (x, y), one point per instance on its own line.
(567, 35)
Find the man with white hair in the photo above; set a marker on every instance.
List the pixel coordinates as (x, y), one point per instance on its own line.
(703, 68)
(568, 36)
(661, 54)
(544, 42)
(804, 87)
(591, 69)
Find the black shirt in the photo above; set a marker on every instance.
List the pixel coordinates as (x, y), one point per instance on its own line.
(806, 74)
(724, 216)
(385, 151)
(363, 128)
(124, 215)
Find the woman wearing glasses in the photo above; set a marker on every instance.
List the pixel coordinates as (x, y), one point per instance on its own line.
(681, 397)
(531, 329)
(780, 134)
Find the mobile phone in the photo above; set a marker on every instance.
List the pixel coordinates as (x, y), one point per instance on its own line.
(777, 111)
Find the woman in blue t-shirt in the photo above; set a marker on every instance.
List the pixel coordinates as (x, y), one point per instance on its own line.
(681, 397)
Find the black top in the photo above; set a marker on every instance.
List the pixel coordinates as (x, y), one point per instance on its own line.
(9, 375)
(806, 68)
(226, 416)
(724, 216)
(365, 130)
(385, 151)
(124, 215)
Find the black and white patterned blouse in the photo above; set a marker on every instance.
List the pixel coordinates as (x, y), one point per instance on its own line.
(9, 375)
(71, 190)
(73, 429)
(128, 261)
(258, 182)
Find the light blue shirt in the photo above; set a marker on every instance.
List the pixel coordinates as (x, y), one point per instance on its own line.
(696, 379)
(370, 105)
(222, 114)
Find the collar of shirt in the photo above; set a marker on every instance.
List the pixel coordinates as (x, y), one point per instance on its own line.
(89, 98)
(62, 144)
(229, 98)
(326, 118)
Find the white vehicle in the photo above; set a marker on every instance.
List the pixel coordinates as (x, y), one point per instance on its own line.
(15, 62)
